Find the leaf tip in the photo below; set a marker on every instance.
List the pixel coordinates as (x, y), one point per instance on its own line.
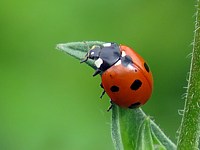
(60, 46)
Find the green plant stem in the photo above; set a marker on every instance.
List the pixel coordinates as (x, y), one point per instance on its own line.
(190, 126)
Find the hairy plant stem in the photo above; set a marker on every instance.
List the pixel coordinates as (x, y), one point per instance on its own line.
(190, 126)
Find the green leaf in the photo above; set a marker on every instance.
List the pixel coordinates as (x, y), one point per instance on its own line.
(131, 128)
(79, 49)
(147, 139)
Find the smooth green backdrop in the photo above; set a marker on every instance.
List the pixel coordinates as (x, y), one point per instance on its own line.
(48, 101)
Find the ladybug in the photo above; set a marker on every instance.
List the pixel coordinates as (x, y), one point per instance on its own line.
(125, 75)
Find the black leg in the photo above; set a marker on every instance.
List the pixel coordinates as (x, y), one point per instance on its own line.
(101, 85)
(110, 107)
(102, 94)
(97, 71)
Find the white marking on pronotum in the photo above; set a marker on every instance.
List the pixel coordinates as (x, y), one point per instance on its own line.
(130, 67)
(107, 44)
(118, 62)
(98, 62)
(123, 53)
(92, 53)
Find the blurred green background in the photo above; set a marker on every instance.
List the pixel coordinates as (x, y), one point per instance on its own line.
(48, 101)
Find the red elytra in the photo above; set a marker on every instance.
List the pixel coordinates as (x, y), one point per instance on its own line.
(129, 86)
(126, 77)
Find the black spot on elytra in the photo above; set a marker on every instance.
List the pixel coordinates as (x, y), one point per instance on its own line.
(114, 88)
(146, 67)
(134, 105)
(136, 85)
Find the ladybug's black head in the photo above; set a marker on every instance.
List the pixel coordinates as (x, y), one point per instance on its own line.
(105, 56)
(93, 53)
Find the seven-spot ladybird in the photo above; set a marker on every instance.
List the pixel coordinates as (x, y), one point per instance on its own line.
(126, 77)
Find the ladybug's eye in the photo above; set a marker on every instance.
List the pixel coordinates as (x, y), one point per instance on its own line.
(92, 53)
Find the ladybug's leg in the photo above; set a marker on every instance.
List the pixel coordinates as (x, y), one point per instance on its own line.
(103, 93)
(110, 107)
(97, 71)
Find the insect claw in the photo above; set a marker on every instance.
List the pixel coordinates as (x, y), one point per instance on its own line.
(98, 71)
(84, 60)
(102, 94)
(110, 107)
